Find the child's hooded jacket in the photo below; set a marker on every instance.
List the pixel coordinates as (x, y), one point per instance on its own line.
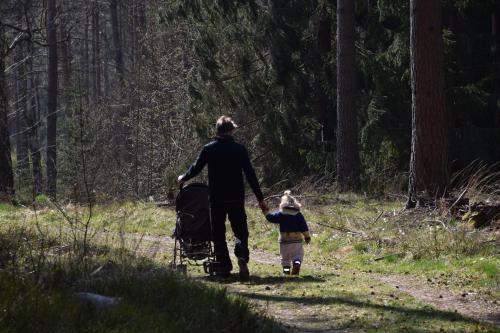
(293, 226)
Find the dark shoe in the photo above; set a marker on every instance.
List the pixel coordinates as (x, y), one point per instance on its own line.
(286, 270)
(296, 267)
(244, 272)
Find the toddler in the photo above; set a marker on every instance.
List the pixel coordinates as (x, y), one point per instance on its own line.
(293, 230)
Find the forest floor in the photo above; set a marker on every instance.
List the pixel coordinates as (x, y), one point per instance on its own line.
(331, 298)
(370, 267)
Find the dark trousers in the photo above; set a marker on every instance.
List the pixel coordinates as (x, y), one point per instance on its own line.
(235, 211)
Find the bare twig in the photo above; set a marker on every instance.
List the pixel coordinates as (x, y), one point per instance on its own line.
(378, 217)
(389, 255)
(458, 199)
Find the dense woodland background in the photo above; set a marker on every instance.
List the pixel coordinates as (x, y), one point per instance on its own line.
(361, 107)
(110, 99)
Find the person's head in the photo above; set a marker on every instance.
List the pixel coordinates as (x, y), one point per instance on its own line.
(289, 205)
(225, 126)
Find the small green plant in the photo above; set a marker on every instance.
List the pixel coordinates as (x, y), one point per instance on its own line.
(489, 268)
(5, 207)
(361, 247)
(391, 258)
(42, 199)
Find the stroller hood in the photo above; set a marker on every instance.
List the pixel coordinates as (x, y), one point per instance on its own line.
(193, 213)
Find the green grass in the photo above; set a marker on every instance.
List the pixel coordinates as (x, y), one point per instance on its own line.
(338, 299)
(6, 208)
(43, 264)
(347, 238)
(464, 273)
(159, 302)
(417, 250)
(490, 268)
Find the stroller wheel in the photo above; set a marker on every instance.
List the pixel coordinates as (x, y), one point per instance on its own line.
(208, 267)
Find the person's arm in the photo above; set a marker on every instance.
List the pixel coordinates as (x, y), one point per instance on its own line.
(196, 167)
(272, 217)
(304, 228)
(252, 177)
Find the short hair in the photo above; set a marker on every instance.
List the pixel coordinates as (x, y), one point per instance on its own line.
(225, 125)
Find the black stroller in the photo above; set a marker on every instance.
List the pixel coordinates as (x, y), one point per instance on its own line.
(193, 229)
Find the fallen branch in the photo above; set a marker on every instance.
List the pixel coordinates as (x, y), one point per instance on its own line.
(340, 229)
(378, 217)
(458, 200)
(389, 255)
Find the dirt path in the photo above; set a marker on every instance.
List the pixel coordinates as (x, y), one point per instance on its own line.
(312, 315)
(467, 304)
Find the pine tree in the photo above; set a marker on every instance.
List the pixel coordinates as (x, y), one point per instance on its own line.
(347, 127)
(6, 174)
(429, 153)
(52, 100)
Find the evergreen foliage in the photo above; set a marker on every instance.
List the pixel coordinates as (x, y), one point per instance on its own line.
(139, 93)
(269, 67)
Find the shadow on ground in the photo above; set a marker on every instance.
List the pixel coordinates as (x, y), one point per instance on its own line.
(425, 313)
(265, 280)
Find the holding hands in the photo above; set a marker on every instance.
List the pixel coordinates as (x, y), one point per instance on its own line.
(263, 207)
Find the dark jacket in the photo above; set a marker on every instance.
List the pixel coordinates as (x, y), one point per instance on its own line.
(292, 227)
(227, 161)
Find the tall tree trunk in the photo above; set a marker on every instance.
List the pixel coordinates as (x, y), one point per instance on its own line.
(122, 139)
(133, 37)
(33, 123)
(142, 14)
(117, 40)
(495, 59)
(6, 175)
(65, 49)
(429, 148)
(347, 127)
(107, 56)
(52, 100)
(86, 62)
(323, 78)
(96, 49)
(22, 164)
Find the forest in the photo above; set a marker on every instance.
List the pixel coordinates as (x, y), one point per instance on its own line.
(382, 116)
(126, 92)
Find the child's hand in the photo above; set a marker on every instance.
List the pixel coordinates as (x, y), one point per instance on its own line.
(263, 206)
(308, 240)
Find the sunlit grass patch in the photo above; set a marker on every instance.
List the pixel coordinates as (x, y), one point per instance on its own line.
(6, 207)
(490, 268)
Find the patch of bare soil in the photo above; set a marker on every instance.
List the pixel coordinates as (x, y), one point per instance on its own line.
(467, 304)
(301, 318)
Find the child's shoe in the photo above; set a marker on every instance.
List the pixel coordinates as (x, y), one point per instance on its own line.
(286, 270)
(296, 267)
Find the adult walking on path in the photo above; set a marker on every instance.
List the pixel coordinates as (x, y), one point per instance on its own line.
(227, 160)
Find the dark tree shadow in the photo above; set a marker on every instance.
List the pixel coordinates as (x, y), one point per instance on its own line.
(279, 279)
(264, 280)
(424, 313)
